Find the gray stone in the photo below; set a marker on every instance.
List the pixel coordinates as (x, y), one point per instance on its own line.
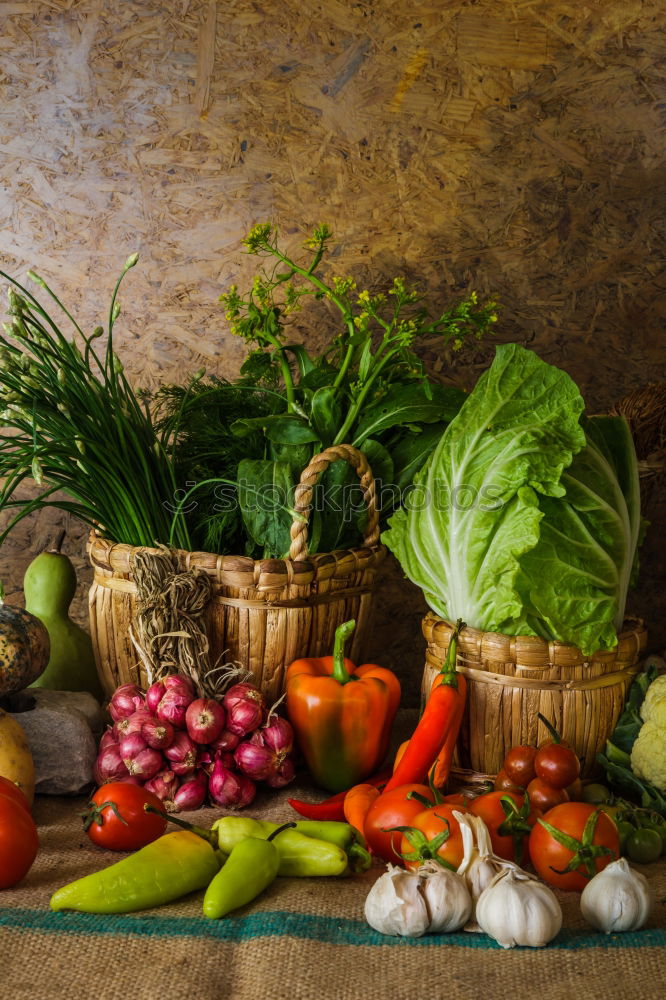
(59, 730)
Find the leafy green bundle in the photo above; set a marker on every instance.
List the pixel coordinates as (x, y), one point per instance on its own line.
(368, 388)
(526, 518)
(213, 464)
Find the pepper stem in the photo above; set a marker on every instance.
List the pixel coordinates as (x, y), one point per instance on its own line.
(208, 835)
(342, 633)
(449, 665)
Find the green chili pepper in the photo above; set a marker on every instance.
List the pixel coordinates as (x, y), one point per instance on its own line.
(344, 835)
(171, 866)
(300, 855)
(250, 868)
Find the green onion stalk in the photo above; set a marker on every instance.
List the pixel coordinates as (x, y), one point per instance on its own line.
(71, 422)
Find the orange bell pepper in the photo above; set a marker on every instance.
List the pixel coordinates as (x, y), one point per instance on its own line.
(341, 714)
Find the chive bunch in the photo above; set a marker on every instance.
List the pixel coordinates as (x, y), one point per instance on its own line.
(71, 422)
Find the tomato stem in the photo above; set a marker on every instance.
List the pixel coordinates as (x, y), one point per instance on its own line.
(550, 727)
(93, 814)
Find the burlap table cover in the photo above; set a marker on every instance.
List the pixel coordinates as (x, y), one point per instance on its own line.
(304, 939)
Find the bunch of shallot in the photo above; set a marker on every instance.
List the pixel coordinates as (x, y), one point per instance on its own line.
(189, 750)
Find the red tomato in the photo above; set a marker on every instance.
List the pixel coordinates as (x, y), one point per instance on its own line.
(117, 820)
(550, 858)
(19, 842)
(392, 809)
(519, 765)
(13, 791)
(544, 796)
(557, 765)
(503, 783)
(431, 823)
(489, 808)
(457, 799)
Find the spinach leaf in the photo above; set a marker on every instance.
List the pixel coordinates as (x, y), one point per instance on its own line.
(408, 404)
(266, 499)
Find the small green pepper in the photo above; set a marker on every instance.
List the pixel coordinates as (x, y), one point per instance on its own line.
(170, 867)
(300, 855)
(250, 868)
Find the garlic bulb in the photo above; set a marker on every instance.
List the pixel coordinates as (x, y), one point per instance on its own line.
(447, 898)
(616, 899)
(395, 904)
(409, 904)
(518, 909)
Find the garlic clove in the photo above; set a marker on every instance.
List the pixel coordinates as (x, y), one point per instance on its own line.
(447, 898)
(395, 904)
(617, 899)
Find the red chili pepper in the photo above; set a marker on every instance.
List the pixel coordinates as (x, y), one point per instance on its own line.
(435, 724)
(333, 807)
(444, 760)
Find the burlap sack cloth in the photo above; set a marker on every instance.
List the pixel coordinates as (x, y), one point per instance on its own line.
(304, 939)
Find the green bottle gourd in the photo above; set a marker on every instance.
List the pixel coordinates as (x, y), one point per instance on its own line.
(49, 586)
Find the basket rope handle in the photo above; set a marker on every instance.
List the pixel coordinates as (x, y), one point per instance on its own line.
(303, 496)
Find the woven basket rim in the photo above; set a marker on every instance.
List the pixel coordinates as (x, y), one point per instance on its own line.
(243, 571)
(550, 649)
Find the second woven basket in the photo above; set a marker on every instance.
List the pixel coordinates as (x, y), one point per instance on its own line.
(513, 678)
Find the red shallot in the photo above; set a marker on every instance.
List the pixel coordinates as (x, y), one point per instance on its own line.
(204, 720)
(192, 793)
(229, 789)
(154, 695)
(225, 741)
(164, 785)
(129, 746)
(173, 707)
(182, 754)
(254, 760)
(245, 707)
(131, 723)
(284, 774)
(125, 700)
(109, 765)
(158, 734)
(145, 764)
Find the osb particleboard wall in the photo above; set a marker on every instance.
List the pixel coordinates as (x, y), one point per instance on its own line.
(513, 147)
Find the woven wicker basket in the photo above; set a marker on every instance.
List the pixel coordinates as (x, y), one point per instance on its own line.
(264, 613)
(513, 678)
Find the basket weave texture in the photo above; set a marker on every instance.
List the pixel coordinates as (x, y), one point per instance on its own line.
(513, 678)
(263, 613)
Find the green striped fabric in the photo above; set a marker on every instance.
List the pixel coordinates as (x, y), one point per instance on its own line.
(278, 923)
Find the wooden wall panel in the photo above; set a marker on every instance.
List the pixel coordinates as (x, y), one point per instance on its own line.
(513, 147)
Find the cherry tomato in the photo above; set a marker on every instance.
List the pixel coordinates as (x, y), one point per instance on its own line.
(116, 819)
(544, 796)
(431, 823)
(596, 793)
(392, 809)
(557, 765)
(503, 783)
(550, 858)
(13, 791)
(489, 808)
(643, 846)
(19, 842)
(519, 765)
